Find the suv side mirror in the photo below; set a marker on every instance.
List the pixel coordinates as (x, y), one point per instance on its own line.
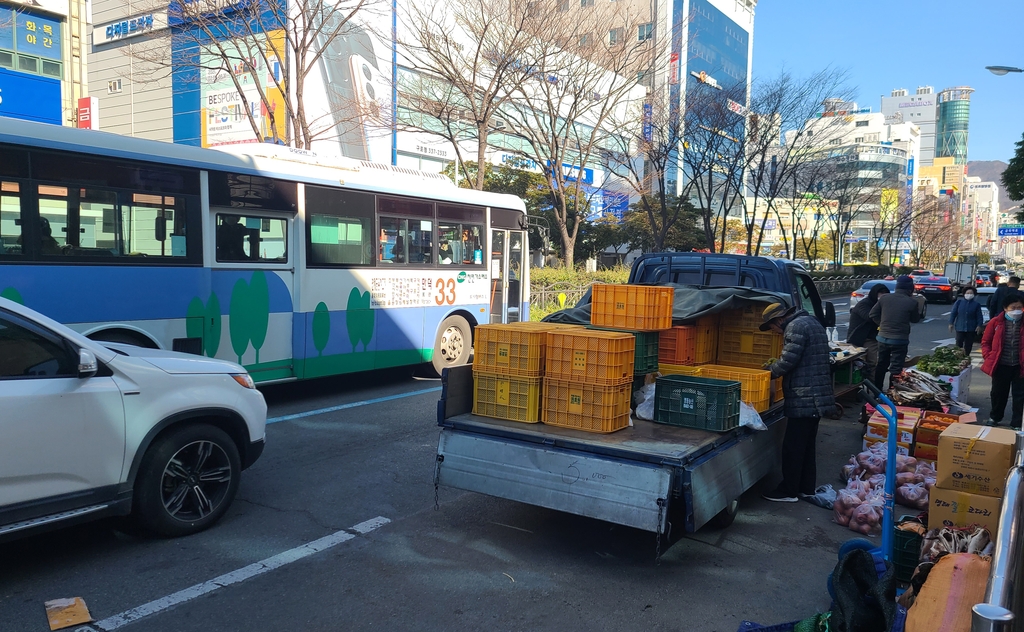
(830, 313)
(87, 364)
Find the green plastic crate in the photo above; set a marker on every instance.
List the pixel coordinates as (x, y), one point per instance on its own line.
(842, 375)
(646, 357)
(906, 551)
(697, 402)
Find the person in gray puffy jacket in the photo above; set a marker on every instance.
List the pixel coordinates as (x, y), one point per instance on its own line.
(805, 368)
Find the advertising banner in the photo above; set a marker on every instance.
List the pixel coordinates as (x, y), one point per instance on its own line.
(30, 97)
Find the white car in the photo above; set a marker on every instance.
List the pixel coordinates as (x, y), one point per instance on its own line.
(92, 429)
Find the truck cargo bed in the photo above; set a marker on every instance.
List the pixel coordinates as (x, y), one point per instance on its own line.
(646, 476)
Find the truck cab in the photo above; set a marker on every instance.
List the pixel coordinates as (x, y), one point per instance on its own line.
(722, 270)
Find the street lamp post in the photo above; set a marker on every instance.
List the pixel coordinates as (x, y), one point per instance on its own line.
(1003, 70)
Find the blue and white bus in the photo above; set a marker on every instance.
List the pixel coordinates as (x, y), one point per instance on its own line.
(289, 265)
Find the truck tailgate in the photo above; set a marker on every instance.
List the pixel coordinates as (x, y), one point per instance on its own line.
(631, 494)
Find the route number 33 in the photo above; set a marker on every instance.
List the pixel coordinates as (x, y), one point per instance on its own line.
(445, 292)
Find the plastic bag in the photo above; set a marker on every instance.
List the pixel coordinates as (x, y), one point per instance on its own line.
(645, 409)
(913, 495)
(867, 517)
(846, 501)
(750, 417)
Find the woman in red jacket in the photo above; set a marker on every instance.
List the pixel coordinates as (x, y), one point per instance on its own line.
(1003, 356)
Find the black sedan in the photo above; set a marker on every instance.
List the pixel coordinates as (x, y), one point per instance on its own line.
(935, 287)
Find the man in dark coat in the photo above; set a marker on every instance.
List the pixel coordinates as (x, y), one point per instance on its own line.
(807, 388)
(894, 313)
(995, 301)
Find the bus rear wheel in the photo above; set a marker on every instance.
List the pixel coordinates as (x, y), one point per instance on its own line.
(453, 344)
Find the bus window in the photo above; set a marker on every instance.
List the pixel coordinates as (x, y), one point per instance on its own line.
(54, 219)
(394, 235)
(460, 244)
(10, 218)
(154, 225)
(340, 227)
(421, 241)
(242, 239)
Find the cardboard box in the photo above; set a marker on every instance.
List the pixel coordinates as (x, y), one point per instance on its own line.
(879, 429)
(901, 448)
(925, 452)
(975, 459)
(960, 384)
(947, 508)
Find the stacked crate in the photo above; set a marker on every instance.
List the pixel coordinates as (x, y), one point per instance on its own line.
(508, 366)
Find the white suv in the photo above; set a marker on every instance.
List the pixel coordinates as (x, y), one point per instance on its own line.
(90, 430)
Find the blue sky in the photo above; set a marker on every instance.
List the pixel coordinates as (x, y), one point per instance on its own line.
(887, 44)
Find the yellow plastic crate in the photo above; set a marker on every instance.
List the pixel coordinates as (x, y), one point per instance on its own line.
(513, 349)
(634, 307)
(507, 397)
(777, 390)
(601, 358)
(748, 318)
(743, 347)
(756, 384)
(707, 339)
(680, 369)
(570, 404)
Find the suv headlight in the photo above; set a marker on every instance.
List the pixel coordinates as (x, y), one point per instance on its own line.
(244, 379)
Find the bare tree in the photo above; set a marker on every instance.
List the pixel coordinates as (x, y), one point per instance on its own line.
(465, 61)
(269, 57)
(583, 63)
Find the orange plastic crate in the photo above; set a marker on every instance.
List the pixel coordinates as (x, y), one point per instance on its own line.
(678, 345)
(742, 347)
(666, 368)
(601, 358)
(756, 384)
(634, 307)
(507, 397)
(707, 340)
(569, 404)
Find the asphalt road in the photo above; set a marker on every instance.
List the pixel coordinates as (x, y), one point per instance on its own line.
(355, 480)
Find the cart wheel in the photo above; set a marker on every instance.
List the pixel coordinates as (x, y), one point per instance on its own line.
(725, 517)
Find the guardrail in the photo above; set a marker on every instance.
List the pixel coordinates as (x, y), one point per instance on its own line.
(546, 296)
(1001, 611)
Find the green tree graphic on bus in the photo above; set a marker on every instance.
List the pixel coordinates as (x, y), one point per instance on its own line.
(204, 322)
(249, 314)
(12, 294)
(321, 327)
(359, 318)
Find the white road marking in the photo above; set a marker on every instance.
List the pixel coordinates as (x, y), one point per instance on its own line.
(240, 575)
(945, 341)
(945, 313)
(365, 402)
(928, 320)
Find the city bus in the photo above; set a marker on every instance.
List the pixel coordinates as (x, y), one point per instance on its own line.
(292, 265)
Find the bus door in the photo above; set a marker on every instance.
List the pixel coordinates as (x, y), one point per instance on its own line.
(506, 273)
(253, 281)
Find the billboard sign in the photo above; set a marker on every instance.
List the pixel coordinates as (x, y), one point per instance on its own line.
(88, 113)
(57, 7)
(30, 97)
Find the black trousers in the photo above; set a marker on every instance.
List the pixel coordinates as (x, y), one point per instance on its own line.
(891, 359)
(965, 340)
(799, 468)
(1004, 380)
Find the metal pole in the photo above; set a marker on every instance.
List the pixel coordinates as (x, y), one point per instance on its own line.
(997, 613)
(394, 82)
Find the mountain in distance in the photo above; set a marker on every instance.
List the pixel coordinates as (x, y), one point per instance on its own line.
(992, 171)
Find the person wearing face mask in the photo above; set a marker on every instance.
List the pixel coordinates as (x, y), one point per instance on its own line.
(965, 320)
(1003, 353)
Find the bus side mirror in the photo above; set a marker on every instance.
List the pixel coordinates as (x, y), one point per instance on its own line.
(160, 229)
(830, 314)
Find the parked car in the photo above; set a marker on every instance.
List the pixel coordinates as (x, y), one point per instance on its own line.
(935, 287)
(93, 429)
(862, 292)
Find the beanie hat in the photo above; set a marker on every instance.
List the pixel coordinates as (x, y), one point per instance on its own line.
(905, 283)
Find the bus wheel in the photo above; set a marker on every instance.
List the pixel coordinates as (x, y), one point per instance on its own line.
(453, 344)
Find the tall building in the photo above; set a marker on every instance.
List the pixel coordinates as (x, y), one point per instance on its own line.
(42, 65)
(918, 108)
(954, 116)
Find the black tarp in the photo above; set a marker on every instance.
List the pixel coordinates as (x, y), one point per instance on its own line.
(691, 302)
